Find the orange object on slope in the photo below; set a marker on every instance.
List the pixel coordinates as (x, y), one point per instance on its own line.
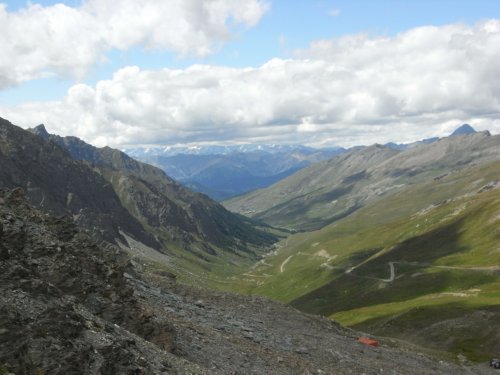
(368, 341)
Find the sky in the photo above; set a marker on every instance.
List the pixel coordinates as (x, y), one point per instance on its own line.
(323, 73)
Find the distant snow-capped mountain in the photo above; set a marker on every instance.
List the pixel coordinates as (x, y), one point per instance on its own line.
(222, 172)
(222, 149)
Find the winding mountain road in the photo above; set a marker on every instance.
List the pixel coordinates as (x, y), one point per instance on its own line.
(391, 278)
(282, 268)
(393, 273)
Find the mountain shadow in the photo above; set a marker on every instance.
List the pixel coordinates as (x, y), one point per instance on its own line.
(292, 211)
(367, 284)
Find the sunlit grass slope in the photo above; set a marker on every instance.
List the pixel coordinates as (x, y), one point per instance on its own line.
(421, 264)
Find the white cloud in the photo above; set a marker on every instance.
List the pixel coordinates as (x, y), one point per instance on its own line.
(39, 41)
(345, 91)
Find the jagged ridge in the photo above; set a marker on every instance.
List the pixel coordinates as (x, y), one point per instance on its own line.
(174, 213)
(57, 183)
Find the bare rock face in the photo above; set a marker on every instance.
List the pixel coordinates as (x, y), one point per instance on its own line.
(65, 306)
(53, 181)
(69, 306)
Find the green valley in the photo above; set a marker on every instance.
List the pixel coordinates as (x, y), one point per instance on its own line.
(420, 264)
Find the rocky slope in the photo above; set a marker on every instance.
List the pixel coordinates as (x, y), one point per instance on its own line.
(171, 212)
(57, 183)
(66, 306)
(69, 306)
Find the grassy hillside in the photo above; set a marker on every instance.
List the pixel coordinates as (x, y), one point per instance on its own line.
(329, 191)
(317, 195)
(417, 264)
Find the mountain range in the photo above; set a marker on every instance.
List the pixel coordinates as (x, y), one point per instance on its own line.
(332, 189)
(144, 152)
(223, 172)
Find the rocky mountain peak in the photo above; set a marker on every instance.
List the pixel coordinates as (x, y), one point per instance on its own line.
(41, 131)
(462, 130)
